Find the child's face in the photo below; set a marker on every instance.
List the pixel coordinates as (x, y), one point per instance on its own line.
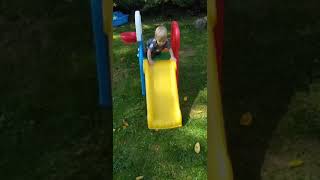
(161, 42)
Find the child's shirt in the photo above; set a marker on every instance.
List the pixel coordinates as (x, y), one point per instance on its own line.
(155, 48)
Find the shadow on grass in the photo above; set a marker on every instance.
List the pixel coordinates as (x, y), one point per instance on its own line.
(192, 69)
(172, 158)
(190, 88)
(263, 64)
(49, 102)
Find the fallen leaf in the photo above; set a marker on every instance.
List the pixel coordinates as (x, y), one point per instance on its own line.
(197, 112)
(246, 119)
(185, 98)
(197, 147)
(125, 123)
(139, 177)
(295, 163)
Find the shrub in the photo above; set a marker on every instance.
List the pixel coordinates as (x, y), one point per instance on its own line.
(147, 5)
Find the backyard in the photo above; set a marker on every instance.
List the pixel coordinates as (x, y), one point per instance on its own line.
(163, 154)
(52, 128)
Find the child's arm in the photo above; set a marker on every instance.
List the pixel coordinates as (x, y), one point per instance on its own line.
(149, 56)
(171, 54)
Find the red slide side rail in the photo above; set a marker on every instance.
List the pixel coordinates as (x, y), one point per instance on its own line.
(175, 44)
(218, 33)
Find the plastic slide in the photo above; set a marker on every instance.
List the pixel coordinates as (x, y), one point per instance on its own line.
(163, 106)
(219, 164)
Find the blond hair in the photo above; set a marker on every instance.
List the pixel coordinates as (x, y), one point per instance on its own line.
(161, 33)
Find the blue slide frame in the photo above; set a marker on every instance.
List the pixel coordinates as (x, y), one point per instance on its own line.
(102, 54)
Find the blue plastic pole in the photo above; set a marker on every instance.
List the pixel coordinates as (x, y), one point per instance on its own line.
(138, 24)
(102, 54)
(141, 57)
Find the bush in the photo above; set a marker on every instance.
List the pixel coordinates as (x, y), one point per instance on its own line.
(184, 3)
(148, 5)
(128, 5)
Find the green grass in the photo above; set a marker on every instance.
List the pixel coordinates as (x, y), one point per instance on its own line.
(50, 124)
(163, 154)
(296, 138)
(269, 50)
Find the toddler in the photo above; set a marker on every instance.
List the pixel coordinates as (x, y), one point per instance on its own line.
(159, 43)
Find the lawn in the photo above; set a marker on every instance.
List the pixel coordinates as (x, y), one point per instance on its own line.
(270, 50)
(50, 124)
(163, 154)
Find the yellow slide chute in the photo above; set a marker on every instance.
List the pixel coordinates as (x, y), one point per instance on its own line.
(162, 95)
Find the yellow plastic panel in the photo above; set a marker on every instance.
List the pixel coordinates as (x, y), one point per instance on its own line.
(163, 109)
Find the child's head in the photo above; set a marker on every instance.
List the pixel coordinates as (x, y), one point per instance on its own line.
(161, 35)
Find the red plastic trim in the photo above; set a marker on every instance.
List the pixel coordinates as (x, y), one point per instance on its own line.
(128, 37)
(175, 44)
(218, 33)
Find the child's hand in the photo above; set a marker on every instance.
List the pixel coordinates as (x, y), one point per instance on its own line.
(151, 62)
(174, 59)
